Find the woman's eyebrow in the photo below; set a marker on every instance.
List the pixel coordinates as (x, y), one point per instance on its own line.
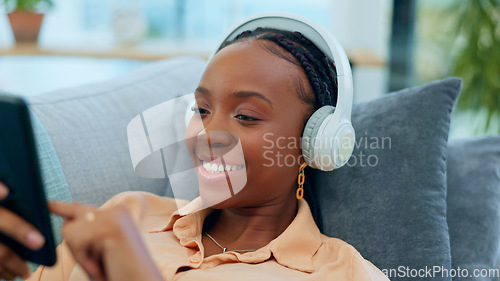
(202, 90)
(238, 94)
(247, 94)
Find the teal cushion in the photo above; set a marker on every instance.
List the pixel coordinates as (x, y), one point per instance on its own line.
(56, 187)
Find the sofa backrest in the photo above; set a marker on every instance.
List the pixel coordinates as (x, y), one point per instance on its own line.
(88, 126)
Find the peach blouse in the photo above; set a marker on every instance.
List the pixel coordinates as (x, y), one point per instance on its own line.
(301, 252)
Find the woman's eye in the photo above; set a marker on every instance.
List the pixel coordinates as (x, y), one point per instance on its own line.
(200, 111)
(246, 118)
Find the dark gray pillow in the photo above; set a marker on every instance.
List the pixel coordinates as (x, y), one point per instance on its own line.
(474, 205)
(389, 202)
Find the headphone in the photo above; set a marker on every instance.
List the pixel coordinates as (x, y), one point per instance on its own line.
(328, 137)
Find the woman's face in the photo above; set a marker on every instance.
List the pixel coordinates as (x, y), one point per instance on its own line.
(247, 98)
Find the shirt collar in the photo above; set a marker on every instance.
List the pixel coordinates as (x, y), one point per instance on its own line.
(294, 248)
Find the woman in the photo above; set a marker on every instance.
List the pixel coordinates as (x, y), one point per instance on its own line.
(266, 82)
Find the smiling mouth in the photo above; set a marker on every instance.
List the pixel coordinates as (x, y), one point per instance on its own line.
(215, 168)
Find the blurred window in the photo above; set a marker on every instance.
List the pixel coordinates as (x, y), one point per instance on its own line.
(106, 23)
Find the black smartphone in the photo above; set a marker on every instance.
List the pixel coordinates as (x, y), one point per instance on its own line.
(20, 172)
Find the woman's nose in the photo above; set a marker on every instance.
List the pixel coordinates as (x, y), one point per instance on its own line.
(217, 138)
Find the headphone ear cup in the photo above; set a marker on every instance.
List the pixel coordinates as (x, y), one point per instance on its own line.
(310, 133)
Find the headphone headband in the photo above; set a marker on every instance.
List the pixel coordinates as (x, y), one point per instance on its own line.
(318, 35)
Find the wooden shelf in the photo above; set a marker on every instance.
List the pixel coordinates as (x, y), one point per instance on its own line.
(357, 57)
(362, 57)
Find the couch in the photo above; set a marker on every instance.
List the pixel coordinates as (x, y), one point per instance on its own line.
(411, 201)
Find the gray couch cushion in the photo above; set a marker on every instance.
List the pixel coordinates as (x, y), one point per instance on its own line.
(474, 204)
(88, 126)
(389, 202)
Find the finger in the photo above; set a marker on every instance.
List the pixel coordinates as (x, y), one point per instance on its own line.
(93, 269)
(80, 243)
(4, 191)
(20, 230)
(12, 263)
(88, 263)
(5, 274)
(69, 210)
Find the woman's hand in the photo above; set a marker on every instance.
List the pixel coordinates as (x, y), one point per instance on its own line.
(11, 265)
(106, 243)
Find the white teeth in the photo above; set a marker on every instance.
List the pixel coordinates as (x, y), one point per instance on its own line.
(215, 169)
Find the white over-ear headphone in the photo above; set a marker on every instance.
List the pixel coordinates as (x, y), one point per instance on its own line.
(328, 137)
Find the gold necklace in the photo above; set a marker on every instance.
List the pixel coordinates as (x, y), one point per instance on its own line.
(225, 249)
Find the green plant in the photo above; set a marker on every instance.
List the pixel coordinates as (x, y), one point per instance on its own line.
(26, 5)
(477, 56)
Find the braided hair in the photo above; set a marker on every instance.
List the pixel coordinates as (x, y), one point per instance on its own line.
(321, 74)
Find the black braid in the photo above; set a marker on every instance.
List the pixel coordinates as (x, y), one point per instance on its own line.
(321, 74)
